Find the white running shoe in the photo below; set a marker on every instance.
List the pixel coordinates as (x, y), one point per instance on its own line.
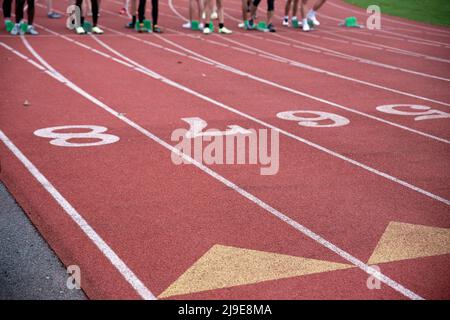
(285, 22)
(207, 30)
(224, 30)
(312, 17)
(31, 30)
(305, 25)
(187, 25)
(97, 30)
(15, 30)
(80, 30)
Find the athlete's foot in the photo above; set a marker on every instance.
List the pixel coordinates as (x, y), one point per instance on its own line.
(214, 15)
(286, 22)
(251, 24)
(53, 15)
(130, 25)
(224, 30)
(80, 30)
(271, 28)
(140, 27)
(157, 29)
(97, 30)
(305, 25)
(31, 30)
(312, 17)
(207, 30)
(15, 29)
(187, 25)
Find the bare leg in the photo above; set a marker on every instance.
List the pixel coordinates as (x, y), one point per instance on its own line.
(207, 8)
(269, 17)
(219, 9)
(295, 8)
(244, 10)
(302, 9)
(287, 8)
(318, 4)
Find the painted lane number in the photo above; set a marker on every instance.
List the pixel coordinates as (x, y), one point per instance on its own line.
(62, 139)
(321, 119)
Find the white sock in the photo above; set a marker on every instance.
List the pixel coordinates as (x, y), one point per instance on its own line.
(294, 18)
(311, 13)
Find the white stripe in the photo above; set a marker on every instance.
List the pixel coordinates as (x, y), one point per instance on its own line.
(109, 253)
(310, 143)
(309, 233)
(277, 58)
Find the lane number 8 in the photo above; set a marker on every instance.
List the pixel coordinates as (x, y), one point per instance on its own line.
(62, 139)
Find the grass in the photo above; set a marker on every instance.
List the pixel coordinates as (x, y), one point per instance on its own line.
(435, 12)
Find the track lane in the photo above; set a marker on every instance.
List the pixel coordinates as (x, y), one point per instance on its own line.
(119, 229)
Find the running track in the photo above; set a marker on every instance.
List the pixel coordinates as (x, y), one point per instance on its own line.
(139, 226)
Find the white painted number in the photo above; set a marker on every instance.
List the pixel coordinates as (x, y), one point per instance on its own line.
(196, 126)
(420, 112)
(63, 139)
(322, 119)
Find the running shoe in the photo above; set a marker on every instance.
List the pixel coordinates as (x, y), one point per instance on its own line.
(9, 25)
(97, 30)
(224, 30)
(312, 17)
(15, 29)
(214, 15)
(123, 11)
(271, 28)
(187, 25)
(305, 25)
(80, 30)
(130, 25)
(251, 25)
(207, 30)
(53, 15)
(286, 22)
(32, 30)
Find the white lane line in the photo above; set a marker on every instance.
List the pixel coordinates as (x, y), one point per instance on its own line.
(263, 123)
(304, 230)
(109, 253)
(346, 56)
(335, 34)
(336, 54)
(266, 55)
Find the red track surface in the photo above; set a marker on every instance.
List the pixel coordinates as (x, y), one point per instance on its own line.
(160, 218)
